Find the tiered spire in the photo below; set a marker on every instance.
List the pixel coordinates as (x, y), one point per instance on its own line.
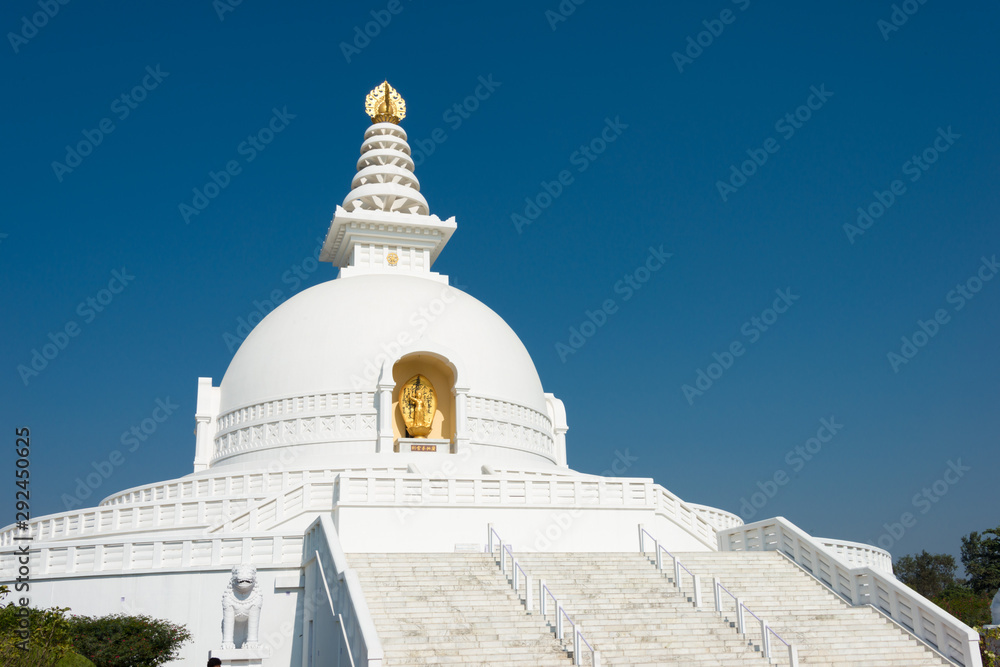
(384, 225)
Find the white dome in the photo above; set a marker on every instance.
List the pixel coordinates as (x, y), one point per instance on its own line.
(333, 338)
(308, 379)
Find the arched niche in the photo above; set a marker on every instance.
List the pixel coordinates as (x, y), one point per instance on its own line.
(441, 375)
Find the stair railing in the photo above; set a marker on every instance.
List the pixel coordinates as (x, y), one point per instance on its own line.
(678, 567)
(544, 593)
(718, 589)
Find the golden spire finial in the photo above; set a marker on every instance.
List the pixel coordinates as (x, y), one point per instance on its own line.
(385, 105)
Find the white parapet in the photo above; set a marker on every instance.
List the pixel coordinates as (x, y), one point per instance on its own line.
(861, 586)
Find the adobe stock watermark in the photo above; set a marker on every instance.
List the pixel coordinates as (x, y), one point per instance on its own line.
(752, 329)
(581, 158)
(411, 503)
(915, 167)
(294, 277)
(627, 286)
(714, 28)
(131, 440)
(31, 25)
(928, 329)
(248, 149)
(923, 501)
(562, 12)
(223, 7)
(560, 523)
(418, 322)
(363, 35)
(122, 107)
(796, 459)
(88, 310)
(898, 17)
(454, 116)
(786, 126)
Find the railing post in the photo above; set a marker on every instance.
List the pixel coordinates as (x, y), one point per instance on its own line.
(503, 559)
(527, 593)
(576, 644)
(718, 594)
(559, 622)
(513, 566)
(677, 573)
(765, 643)
(541, 597)
(793, 656)
(740, 627)
(659, 556)
(597, 659)
(642, 543)
(489, 535)
(697, 592)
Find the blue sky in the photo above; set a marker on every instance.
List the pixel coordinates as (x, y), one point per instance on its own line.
(738, 137)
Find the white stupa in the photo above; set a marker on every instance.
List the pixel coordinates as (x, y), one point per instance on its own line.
(363, 440)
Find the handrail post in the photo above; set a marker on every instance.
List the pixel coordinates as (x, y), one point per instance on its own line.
(716, 583)
(677, 573)
(697, 591)
(559, 622)
(541, 597)
(642, 543)
(793, 656)
(576, 644)
(765, 644)
(513, 566)
(527, 593)
(739, 617)
(659, 556)
(503, 559)
(596, 658)
(489, 534)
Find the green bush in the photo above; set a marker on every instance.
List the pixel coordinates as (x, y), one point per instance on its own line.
(127, 641)
(74, 660)
(49, 640)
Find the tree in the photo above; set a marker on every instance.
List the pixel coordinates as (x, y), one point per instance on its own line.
(927, 574)
(981, 558)
(127, 641)
(966, 606)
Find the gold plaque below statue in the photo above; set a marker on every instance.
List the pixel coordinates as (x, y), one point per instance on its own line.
(418, 404)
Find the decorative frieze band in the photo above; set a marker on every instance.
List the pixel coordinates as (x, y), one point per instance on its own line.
(348, 416)
(297, 432)
(495, 422)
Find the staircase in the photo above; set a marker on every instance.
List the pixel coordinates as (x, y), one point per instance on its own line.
(458, 609)
(451, 609)
(826, 629)
(633, 615)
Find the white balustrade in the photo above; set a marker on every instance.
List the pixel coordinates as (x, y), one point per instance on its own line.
(171, 554)
(343, 593)
(719, 519)
(863, 585)
(857, 554)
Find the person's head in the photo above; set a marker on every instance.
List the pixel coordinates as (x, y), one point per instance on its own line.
(214, 662)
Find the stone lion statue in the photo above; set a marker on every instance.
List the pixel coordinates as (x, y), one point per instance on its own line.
(241, 602)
